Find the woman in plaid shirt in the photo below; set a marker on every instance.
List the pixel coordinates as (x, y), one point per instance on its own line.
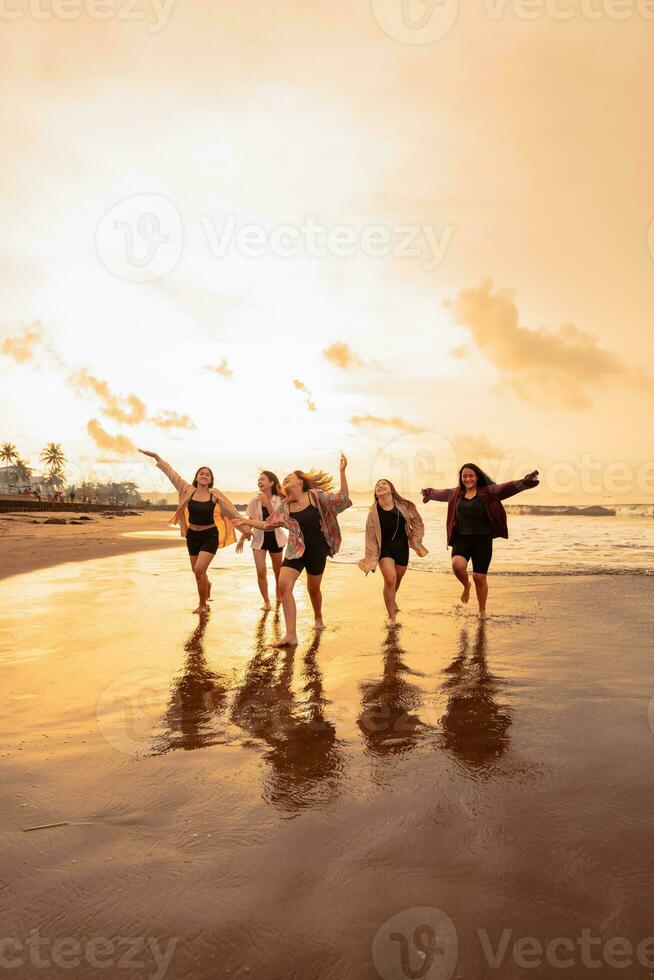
(309, 511)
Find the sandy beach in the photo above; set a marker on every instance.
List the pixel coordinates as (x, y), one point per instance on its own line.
(28, 543)
(230, 810)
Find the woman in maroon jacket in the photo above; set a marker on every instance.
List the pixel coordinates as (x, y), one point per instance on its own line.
(475, 516)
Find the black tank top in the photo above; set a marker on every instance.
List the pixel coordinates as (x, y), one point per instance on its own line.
(200, 512)
(393, 525)
(471, 516)
(309, 521)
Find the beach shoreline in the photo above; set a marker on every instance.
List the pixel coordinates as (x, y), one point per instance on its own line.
(26, 546)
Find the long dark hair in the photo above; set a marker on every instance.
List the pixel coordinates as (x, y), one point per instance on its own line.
(195, 478)
(277, 487)
(396, 496)
(314, 480)
(483, 479)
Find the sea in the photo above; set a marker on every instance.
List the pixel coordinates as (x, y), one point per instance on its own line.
(542, 541)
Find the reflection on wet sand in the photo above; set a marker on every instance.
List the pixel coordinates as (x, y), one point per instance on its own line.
(475, 726)
(198, 698)
(304, 761)
(386, 721)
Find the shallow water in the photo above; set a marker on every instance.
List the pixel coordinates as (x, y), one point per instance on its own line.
(374, 804)
(540, 544)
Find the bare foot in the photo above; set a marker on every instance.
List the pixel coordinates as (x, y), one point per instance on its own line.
(287, 641)
(465, 595)
(319, 625)
(266, 607)
(201, 610)
(482, 614)
(391, 621)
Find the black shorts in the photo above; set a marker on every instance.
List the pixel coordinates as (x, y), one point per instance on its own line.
(270, 543)
(313, 560)
(397, 550)
(197, 541)
(479, 547)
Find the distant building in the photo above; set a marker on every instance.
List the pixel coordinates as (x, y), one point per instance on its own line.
(10, 482)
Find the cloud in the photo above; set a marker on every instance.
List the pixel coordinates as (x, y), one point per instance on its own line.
(23, 347)
(120, 445)
(394, 422)
(172, 420)
(472, 446)
(561, 366)
(342, 356)
(309, 402)
(128, 409)
(223, 369)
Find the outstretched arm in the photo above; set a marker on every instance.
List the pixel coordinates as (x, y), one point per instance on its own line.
(510, 489)
(430, 494)
(174, 477)
(277, 518)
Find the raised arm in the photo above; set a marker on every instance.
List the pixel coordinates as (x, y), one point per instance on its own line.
(340, 499)
(430, 494)
(510, 489)
(174, 477)
(343, 467)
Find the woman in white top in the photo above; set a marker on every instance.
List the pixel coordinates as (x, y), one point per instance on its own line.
(259, 509)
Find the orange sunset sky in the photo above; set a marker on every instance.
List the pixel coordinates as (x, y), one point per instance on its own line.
(516, 152)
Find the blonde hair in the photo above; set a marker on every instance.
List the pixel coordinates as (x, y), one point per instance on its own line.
(314, 480)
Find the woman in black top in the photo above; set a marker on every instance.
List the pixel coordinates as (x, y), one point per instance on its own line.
(202, 511)
(394, 553)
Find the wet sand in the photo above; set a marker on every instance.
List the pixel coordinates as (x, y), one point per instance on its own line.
(329, 812)
(26, 545)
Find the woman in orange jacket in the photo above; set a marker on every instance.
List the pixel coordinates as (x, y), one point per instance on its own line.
(206, 519)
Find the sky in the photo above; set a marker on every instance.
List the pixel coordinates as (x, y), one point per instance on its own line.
(256, 234)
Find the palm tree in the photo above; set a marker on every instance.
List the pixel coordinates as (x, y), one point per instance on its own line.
(53, 456)
(8, 454)
(55, 479)
(23, 471)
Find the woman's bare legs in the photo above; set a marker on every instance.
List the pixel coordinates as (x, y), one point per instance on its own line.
(277, 559)
(389, 574)
(287, 579)
(460, 569)
(262, 576)
(400, 572)
(481, 587)
(200, 563)
(313, 588)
